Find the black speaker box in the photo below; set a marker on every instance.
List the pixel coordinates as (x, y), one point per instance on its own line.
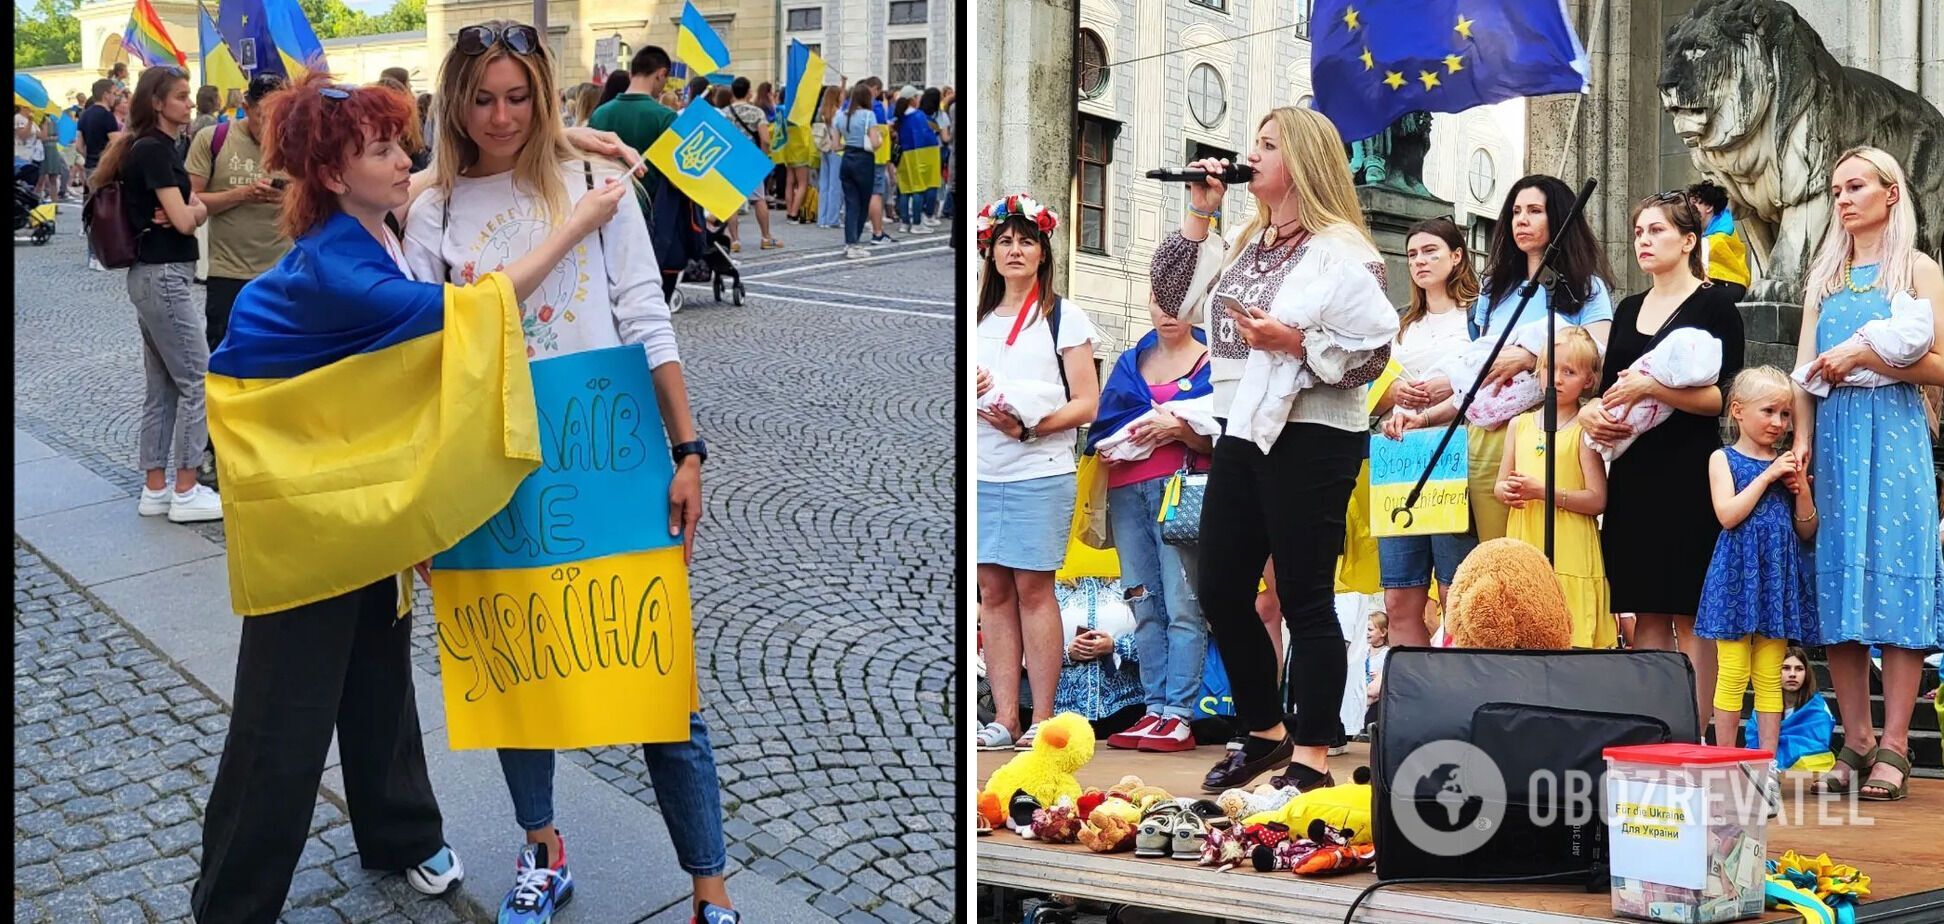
(1487, 764)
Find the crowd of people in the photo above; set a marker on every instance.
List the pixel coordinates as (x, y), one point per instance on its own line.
(332, 214)
(1232, 442)
(892, 164)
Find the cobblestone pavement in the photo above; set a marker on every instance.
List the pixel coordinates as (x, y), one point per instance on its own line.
(114, 752)
(824, 580)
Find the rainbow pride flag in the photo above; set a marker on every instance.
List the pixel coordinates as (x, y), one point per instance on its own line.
(147, 40)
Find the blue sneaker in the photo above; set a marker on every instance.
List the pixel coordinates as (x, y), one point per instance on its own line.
(437, 875)
(541, 886)
(710, 914)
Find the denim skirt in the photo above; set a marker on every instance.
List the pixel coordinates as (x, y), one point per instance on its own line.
(1025, 525)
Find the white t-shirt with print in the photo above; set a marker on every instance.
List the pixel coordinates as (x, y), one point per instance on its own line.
(1424, 344)
(607, 291)
(1030, 358)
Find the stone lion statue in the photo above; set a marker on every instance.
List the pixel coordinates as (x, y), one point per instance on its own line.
(1766, 109)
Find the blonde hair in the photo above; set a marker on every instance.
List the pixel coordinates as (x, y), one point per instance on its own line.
(1319, 177)
(1838, 248)
(1382, 622)
(1757, 382)
(537, 168)
(1574, 345)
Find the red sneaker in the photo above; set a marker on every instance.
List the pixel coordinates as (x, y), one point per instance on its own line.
(1133, 738)
(1172, 735)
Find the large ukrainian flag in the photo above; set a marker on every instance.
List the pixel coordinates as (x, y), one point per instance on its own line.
(919, 166)
(709, 160)
(804, 84)
(271, 37)
(698, 45)
(362, 422)
(218, 65)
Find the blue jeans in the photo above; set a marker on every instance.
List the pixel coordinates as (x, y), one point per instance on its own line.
(910, 207)
(1410, 561)
(856, 173)
(830, 192)
(1170, 636)
(683, 774)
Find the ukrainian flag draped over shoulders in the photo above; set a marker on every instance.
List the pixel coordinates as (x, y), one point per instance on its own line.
(362, 422)
(1374, 60)
(919, 167)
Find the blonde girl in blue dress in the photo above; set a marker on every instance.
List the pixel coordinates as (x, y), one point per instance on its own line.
(1877, 555)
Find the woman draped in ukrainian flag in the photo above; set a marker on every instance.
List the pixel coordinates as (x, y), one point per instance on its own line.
(919, 167)
(364, 422)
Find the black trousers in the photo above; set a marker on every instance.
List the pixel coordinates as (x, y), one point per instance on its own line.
(1290, 503)
(342, 663)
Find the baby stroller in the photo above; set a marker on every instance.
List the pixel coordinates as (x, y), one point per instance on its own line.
(30, 214)
(716, 267)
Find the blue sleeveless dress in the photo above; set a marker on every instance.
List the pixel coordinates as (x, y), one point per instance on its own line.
(1758, 580)
(1877, 553)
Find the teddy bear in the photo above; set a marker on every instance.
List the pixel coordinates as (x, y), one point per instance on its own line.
(1110, 826)
(1142, 795)
(1065, 743)
(1504, 595)
(1238, 804)
(1345, 806)
(1059, 824)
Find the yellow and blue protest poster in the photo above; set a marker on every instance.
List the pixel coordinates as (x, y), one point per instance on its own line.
(563, 622)
(710, 161)
(1394, 469)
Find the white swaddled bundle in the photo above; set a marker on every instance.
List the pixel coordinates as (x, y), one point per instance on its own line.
(1901, 339)
(1197, 413)
(1686, 358)
(1333, 297)
(1499, 403)
(1028, 400)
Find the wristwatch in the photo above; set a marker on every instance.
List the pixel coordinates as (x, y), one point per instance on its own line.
(1026, 434)
(695, 447)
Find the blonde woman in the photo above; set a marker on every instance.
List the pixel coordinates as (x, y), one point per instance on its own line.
(505, 176)
(1288, 458)
(1876, 569)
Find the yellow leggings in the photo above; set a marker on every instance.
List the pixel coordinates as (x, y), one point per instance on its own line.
(1732, 670)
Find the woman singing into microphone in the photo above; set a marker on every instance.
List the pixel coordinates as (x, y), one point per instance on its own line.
(1298, 325)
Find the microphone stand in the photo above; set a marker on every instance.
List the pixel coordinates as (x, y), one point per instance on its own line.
(1526, 291)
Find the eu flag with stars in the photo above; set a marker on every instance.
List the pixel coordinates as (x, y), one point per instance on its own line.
(1374, 60)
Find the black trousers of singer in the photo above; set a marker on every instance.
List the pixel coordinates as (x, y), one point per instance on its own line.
(345, 664)
(1290, 503)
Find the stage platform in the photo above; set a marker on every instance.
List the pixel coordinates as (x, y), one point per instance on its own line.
(1896, 844)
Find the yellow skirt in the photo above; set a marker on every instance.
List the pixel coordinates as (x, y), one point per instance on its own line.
(1485, 449)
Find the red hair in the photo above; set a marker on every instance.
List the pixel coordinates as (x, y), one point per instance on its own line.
(311, 137)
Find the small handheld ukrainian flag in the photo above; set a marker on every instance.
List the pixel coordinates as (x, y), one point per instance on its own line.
(710, 161)
(698, 45)
(804, 83)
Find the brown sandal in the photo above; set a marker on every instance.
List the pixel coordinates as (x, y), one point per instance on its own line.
(1870, 789)
(1834, 785)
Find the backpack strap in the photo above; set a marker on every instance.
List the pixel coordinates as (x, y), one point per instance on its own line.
(1059, 361)
(216, 146)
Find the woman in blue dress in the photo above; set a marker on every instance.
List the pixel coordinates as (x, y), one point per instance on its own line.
(1877, 557)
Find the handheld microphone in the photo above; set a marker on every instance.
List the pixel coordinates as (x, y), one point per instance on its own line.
(1235, 173)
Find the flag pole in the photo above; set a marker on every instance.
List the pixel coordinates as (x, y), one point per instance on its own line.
(540, 20)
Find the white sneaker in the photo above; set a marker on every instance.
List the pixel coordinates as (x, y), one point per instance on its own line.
(95, 265)
(855, 251)
(196, 505)
(918, 229)
(154, 503)
(439, 874)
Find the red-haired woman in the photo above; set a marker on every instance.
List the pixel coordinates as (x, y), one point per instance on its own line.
(325, 579)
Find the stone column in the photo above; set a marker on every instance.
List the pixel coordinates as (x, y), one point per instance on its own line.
(1026, 105)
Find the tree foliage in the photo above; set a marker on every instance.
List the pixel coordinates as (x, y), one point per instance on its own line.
(332, 19)
(49, 33)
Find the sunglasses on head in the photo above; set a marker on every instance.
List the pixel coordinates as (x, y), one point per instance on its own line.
(334, 92)
(475, 40)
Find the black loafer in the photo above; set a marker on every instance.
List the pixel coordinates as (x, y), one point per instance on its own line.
(1236, 769)
(1302, 778)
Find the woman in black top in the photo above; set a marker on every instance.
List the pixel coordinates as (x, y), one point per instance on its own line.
(157, 203)
(1659, 531)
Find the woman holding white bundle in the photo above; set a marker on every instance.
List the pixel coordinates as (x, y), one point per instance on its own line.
(1144, 434)
(1298, 325)
(1659, 531)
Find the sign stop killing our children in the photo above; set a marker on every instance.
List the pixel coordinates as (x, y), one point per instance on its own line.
(563, 622)
(1394, 468)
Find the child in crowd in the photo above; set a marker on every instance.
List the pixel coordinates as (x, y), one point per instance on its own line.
(1378, 635)
(1579, 481)
(1757, 594)
(1806, 725)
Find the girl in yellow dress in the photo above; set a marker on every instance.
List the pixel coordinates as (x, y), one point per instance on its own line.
(1579, 485)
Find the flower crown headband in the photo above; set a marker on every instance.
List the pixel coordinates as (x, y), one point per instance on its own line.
(1018, 205)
